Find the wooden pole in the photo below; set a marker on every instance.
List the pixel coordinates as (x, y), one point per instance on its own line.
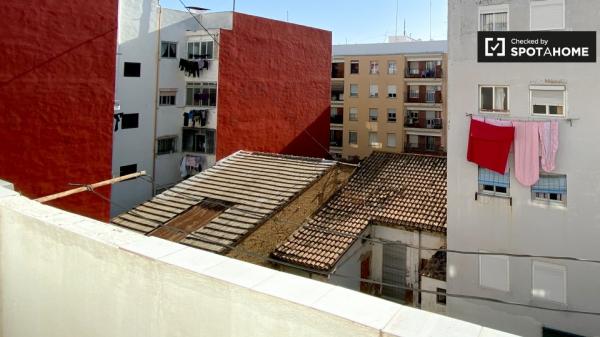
(92, 186)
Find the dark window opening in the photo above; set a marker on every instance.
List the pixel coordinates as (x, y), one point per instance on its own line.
(132, 69)
(166, 145)
(130, 121)
(354, 67)
(441, 299)
(167, 100)
(201, 141)
(127, 169)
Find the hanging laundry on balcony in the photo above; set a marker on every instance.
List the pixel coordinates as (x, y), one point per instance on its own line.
(193, 67)
(527, 149)
(117, 118)
(549, 144)
(186, 119)
(489, 145)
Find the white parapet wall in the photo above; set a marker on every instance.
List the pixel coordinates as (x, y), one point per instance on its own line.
(66, 275)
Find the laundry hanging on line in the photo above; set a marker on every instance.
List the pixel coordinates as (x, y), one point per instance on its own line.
(193, 67)
(527, 149)
(194, 116)
(489, 145)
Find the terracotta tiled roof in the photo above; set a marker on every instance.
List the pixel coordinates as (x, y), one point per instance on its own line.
(389, 189)
(250, 186)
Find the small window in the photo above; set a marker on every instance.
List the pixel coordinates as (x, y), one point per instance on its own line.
(166, 145)
(353, 90)
(440, 299)
(391, 115)
(203, 50)
(494, 272)
(374, 68)
(353, 137)
(373, 115)
(549, 282)
(548, 100)
(167, 97)
(127, 169)
(493, 98)
(168, 49)
(373, 90)
(493, 18)
(130, 121)
(392, 91)
(132, 69)
(413, 68)
(201, 94)
(550, 188)
(413, 91)
(392, 68)
(353, 116)
(391, 140)
(547, 14)
(493, 183)
(202, 141)
(373, 142)
(354, 67)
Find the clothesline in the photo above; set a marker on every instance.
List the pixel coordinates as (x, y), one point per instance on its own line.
(523, 119)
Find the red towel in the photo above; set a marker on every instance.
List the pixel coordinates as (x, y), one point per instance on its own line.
(489, 145)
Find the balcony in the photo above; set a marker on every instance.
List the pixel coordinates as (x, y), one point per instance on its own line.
(336, 138)
(423, 69)
(337, 70)
(423, 96)
(422, 122)
(337, 92)
(337, 115)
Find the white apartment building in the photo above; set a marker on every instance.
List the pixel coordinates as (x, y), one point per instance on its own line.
(151, 97)
(490, 212)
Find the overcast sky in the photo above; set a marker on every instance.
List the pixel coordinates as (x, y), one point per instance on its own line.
(350, 21)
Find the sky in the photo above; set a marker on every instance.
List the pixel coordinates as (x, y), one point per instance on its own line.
(350, 21)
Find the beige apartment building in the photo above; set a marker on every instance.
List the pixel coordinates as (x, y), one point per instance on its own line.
(388, 97)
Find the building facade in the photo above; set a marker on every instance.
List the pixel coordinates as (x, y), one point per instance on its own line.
(56, 99)
(490, 212)
(188, 97)
(388, 97)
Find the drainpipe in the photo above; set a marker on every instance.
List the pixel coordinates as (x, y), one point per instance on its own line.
(416, 301)
(157, 54)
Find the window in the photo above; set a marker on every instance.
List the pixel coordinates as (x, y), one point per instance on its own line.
(493, 18)
(168, 49)
(413, 68)
(373, 139)
(550, 188)
(132, 69)
(547, 14)
(373, 90)
(353, 116)
(430, 94)
(391, 140)
(549, 282)
(548, 100)
(392, 68)
(373, 115)
(353, 90)
(391, 115)
(374, 68)
(167, 97)
(392, 91)
(166, 145)
(353, 138)
(201, 94)
(130, 121)
(127, 169)
(413, 91)
(204, 49)
(493, 98)
(354, 67)
(494, 272)
(202, 141)
(440, 299)
(493, 183)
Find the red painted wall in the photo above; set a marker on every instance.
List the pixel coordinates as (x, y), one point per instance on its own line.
(274, 88)
(56, 98)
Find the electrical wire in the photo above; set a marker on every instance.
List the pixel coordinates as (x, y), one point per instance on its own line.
(201, 25)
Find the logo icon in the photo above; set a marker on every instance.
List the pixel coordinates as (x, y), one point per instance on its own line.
(495, 46)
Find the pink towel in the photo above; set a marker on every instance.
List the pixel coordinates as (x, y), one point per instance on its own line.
(527, 147)
(493, 121)
(549, 143)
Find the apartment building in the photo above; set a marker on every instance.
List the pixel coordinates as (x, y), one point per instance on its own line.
(388, 97)
(187, 96)
(493, 212)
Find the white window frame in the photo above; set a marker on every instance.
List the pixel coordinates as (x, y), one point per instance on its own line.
(394, 93)
(373, 93)
(410, 91)
(375, 144)
(353, 114)
(499, 257)
(493, 9)
(481, 190)
(494, 111)
(388, 140)
(357, 90)
(562, 202)
(548, 88)
(540, 3)
(376, 114)
(556, 267)
(395, 111)
(356, 137)
(173, 139)
(374, 67)
(167, 93)
(392, 70)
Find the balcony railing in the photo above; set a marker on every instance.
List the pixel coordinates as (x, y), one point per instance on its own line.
(430, 97)
(337, 119)
(423, 148)
(422, 123)
(431, 73)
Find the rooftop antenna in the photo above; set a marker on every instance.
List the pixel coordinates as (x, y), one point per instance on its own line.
(430, 20)
(234, 5)
(287, 16)
(396, 17)
(404, 33)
